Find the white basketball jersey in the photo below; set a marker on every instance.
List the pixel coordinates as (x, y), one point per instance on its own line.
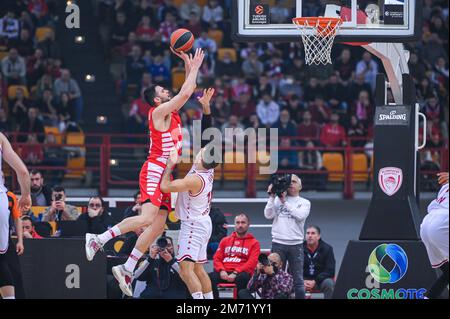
(191, 207)
(441, 202)
(2, 181)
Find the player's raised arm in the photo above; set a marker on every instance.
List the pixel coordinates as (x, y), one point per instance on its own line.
(13, 160)
(190, 183)
(186, 90)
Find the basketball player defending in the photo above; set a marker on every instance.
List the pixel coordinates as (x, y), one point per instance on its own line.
(165, 135)
(13, 160)
(192, 207)
(434, 234)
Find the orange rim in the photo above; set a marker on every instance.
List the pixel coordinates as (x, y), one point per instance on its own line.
(324, 25)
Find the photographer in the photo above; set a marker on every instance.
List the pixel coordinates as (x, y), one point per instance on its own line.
(288, 211)
(270, 281)
(160, 272)
(59, 210)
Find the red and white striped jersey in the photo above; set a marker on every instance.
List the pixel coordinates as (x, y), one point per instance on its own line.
(191, 207)
(161, 143)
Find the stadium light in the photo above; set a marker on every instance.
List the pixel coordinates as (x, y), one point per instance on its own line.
(101, 119)
(89, 78)
(114, 162)
(79, 39)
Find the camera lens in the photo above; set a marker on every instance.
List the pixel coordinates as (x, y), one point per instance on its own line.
(263, 259)
(162, 243)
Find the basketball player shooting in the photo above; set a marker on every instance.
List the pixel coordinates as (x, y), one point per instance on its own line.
(192, 207)
(434, 234)
(13, 160)
(165, 135)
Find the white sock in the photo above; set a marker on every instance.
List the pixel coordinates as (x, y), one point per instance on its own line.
(132, 260)
(109, 234)
(208, 295)
(197, 295)
(10, 297)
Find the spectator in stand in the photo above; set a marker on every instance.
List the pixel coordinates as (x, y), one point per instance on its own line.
(189, 8)
(289, 212)
(207, 44)
(40, 11)
(213, 15)
(220, 110)
(239, 86)
(288, 86)
(9, 26)
(308, 130)
(363, 108)
(319, 110)
(294, 107)
(41, 194)
(336, 94)
(438, 28)
(417, 67)
(345, 66)
(65, 84)
(237, 256)
(97, 216)
(48, 109)
(145, 31)
(29, 230)
(66, 109)
(194, 25)
(433, 109)
(44, 83)
(33, 127)
(357, 86)
(312, 90)
(268, 111)
(19, 106)
(24, 44)
(167, 27)
(431, 49)
(132, 40)
(14, 68)
(35, 67)
(311, 160)
(252, 68)
(358, 131)
(167, 7)
(5, 123)
(159, 71)
(263, 86)
(286, 127)
(59, 210)
(226, 67)
(253, 122)
(441, 71)
(136, 208)
(333, 134)
(120, 30)
(137, 120)
(275, 67)
(244, 107)
(287, 158)
(369, 68)
(135, 66)
(232, 124)
(298, 70)
(319, 265)
(50, 47)
(269, 281)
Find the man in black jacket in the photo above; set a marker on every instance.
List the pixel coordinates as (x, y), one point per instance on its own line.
(41, 194)
(97, 217)
(219, 230)
(319, 265)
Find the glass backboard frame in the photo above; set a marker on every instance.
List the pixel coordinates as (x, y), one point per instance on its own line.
(349, 32)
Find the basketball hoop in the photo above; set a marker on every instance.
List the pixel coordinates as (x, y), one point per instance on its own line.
(318, 35)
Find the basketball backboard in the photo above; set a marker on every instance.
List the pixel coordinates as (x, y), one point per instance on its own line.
(363, 20)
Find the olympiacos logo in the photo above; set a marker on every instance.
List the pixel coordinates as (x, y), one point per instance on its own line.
(390, 180)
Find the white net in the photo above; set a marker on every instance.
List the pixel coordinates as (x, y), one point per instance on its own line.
(318, 36)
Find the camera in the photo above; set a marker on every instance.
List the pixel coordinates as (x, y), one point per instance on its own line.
(263, 259)
(162, 243)
(280, 184)
(58, 197)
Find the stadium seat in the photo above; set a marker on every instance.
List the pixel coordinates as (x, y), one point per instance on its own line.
(118, 246)
(262, 160)
(177, 78)
(334, 162)
(202, 3)
(42, 32)
(36, 210)
(75, 138)
(76, 167)
(178, 3)
(221, 53)
(234, 166)
(51, 130)
(13, 89)
(360, 166)
(217, 36)
(3, 54)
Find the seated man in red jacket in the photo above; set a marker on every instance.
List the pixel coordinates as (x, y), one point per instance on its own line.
(333, 134)
(236, 258)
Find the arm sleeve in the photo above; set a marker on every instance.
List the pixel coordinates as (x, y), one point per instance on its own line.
(269, 211)
(330, 266)
(250, 265)
(206, 124)
(299, 210)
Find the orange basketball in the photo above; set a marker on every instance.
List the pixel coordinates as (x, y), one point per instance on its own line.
(181, 40)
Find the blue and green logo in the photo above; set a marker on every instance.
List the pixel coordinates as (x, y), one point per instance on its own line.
(388, 263)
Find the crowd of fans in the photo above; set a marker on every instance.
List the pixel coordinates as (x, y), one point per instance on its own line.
(268, 84)
(36, 90)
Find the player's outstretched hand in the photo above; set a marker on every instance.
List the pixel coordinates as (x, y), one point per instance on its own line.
(198, 59)
(187, 58)
(205, 100)
(443, 178)
(173, 158)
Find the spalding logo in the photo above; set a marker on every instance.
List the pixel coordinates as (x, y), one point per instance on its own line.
(392, 116)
